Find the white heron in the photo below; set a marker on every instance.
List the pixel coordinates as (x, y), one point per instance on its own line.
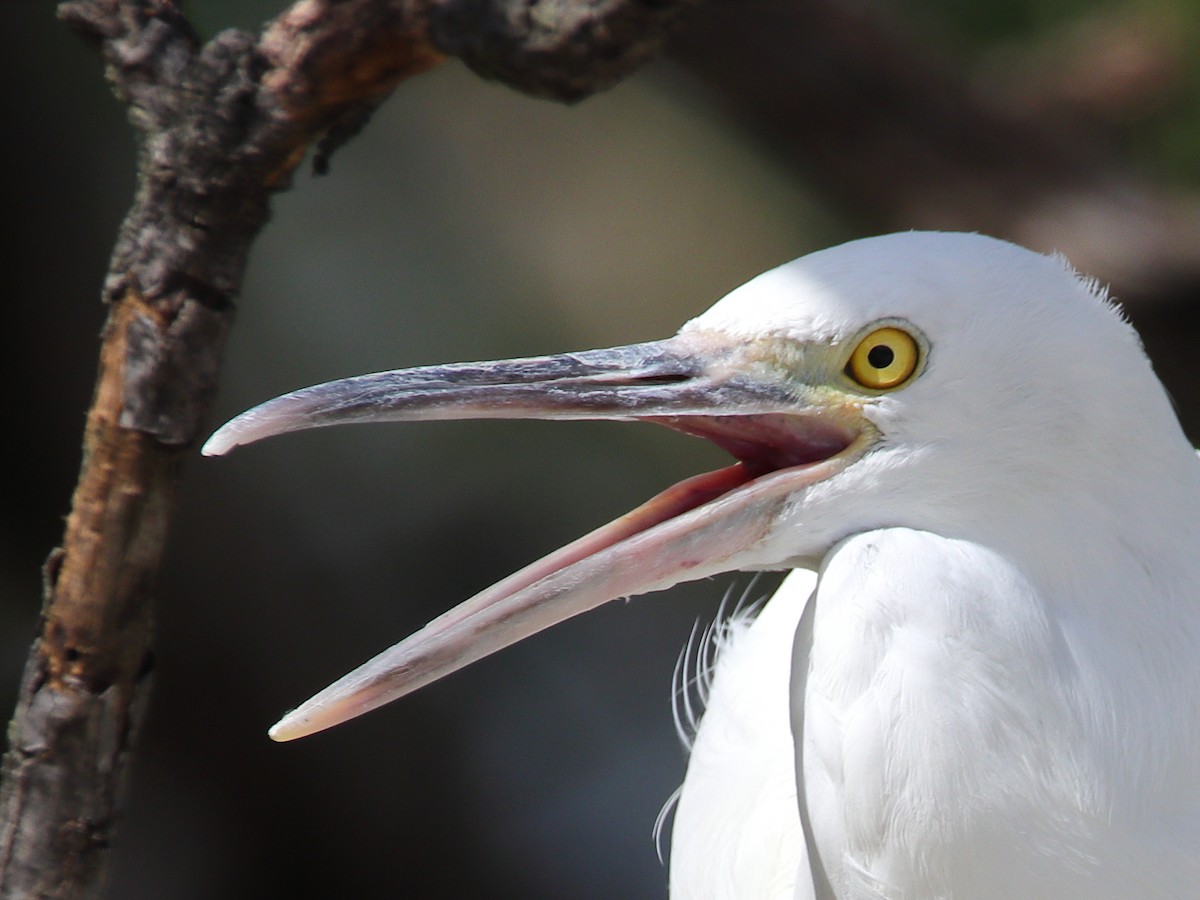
(983, 680)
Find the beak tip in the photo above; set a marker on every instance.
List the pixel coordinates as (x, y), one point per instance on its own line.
(221, 441)
(317, 714)
(213, 447)
(287, 729)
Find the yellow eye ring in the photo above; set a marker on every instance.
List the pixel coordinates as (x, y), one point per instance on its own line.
(884, 359)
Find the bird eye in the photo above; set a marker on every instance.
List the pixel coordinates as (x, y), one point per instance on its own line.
(884, 359)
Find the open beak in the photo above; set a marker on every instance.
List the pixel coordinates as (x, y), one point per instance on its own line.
(785, 434)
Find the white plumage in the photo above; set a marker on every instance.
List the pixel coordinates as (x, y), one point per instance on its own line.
(992, 691)
(737, 828)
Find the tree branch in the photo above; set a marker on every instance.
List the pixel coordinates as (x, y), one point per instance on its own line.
(223, 126)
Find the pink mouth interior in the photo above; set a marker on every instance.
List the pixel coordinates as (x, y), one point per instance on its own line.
(762, 444)
(766, 443)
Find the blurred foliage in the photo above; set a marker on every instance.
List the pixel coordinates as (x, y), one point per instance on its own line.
(1131, 68)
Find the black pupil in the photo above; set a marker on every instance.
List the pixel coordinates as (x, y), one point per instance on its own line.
(881, 356)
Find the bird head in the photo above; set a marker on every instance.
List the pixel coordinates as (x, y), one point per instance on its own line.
(914, 380)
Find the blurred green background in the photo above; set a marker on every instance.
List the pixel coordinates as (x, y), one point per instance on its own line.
(466, 222)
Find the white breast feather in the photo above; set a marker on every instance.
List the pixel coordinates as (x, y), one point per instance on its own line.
(737, 830)
(956, 737)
